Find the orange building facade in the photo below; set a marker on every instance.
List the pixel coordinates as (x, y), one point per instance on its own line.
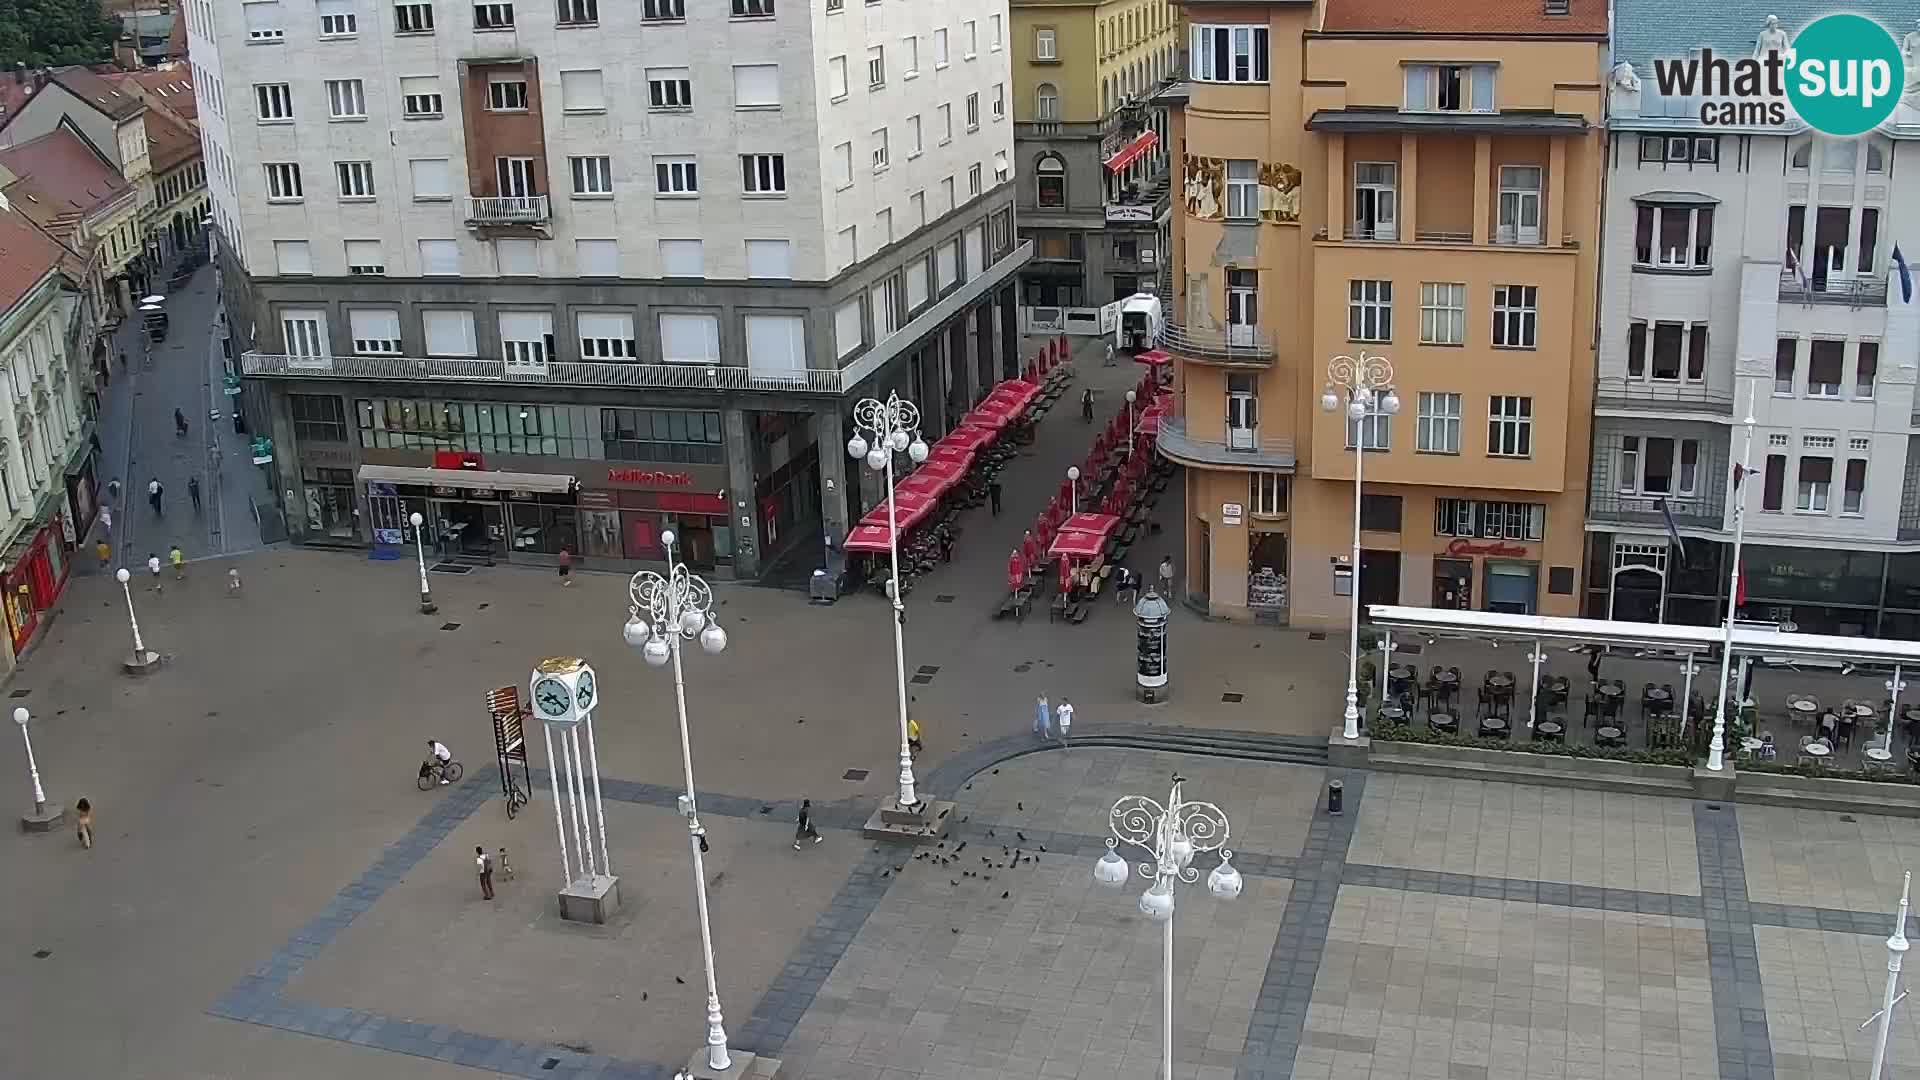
(1427, 192)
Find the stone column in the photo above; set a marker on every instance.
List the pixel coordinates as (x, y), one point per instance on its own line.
(1009, 332)
(743, 516)
(830, 432)
(965, 334)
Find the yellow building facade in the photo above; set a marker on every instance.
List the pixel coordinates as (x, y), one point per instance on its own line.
(1425, 203)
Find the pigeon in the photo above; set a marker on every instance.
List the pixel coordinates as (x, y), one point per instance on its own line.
(989, 834)
(989, 877)
(643, 995)
(953, 881)
(969, 787)
(766, 809)
(966, 819)
(1003, 850)
(1019, 806)
(1004, 895)
(956, 929)
(962, 847)
(680, 980)
(1043, 847)
(886, 873)
(996, 772)
(1016, 853)
(1022, 836)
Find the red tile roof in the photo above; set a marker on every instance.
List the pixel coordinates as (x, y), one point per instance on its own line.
(58, 179)
(169, 142)
(170, 86)
(26, 254)
(1520, 17)
(99, 92)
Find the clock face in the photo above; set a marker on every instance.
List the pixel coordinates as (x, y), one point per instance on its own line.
(583, 693)
(552, 697)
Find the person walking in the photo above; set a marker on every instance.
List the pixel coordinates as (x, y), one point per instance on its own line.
(113, 489)
(483, 863)
(83, 823)
(233, 581)
(1166, 577)
(1042, 719)
(193, 492)
(106, 520)
(153, 567)
(803, 825)
(1063, 720)
(993, 496)
(105, 551)
(156, 492)
(944, 537)
(913, 736)
(1109, 354)
(179, 560)
(566, 567)
(1086, 405)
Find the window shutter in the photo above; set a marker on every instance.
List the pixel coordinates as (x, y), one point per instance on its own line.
(372, 324)
(756, 84)
(597, 258)
(847, 329)
(690, 339)
(776, 344)
(769, 259)
(449, 333)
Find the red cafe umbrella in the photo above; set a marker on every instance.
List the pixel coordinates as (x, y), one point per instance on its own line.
(868, 538)
(1153, 357)
(1074, 544)
(922, 482)
(945, 453)
(1016, 572)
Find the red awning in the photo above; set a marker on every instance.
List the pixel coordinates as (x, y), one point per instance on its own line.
(946, 453)
(1076, 545)
(1153, 357)
(912, 506)
(988, 418)
(951, 470)
(1141, 143)
(922, 482)
(868, 538)
(1098, 524)
(969, 437)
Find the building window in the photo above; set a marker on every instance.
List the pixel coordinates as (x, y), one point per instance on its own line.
(356, 179)
(266, 23)
(876, 67)
(683, 258)
(516, 177)
(1657, 465)
(1439, 423)
(752, 9)
(305, 333)
(1786, 353)
(669, 88)
(941, 54)
(1375, 201)
(1824, 367)
(1046, 102)
(914, 143)
(365, 259)
(1681, 149)
(1044, 46)
(493, 16)
(1374, 431)
(1676, 353)
(678, 176)
(1519, 214)
(1516, 316)
(337, 19)
(1853, 496)
(1050, 182)
(1443, 313)
(973, 180)
(879, 154)
(413, 18)
(583, 90)
(592, 175)
(1816, 484)
(605, 336)
(763, 174)
(563, 431)
(420, 96)
(318, 417)
(1509, 426)
(1380, 513)
(1449, 87)
(1228, 54)
(578, 12)
(376, 332)
(291, 257)
(999, 101)
(661, 435)
(689, 338)
(1370, 310)
(1471, 518)
(273, 102)
(756, 86)
(946, 123)
(346, 99)
(1243, 190)
(1772, 492)
(663, 10)
(972, 29)
(507, 93)
(973, 112)
(1673, 237)
(439, 258)
(283, 181)
(1268, 494)
(1866, 368)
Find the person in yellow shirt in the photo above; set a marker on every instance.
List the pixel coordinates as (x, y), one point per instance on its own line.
(105, 551)
(179, 560)
(913, 736)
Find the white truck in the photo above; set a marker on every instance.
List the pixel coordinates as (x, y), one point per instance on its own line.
(1134, 324)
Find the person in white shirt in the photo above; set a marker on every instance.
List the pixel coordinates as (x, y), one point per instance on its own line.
(1063, 719)
(153, 567)
(439, 755)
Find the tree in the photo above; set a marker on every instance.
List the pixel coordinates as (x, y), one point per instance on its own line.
(52, 33)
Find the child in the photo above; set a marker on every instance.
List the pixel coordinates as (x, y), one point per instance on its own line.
(913, 736)
(233, 581)
(83, 823)
(566, 567)
(153, 568)
(506, 868)
(105, 551)
(179, 560)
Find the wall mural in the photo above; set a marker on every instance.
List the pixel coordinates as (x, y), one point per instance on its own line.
(1205, 189)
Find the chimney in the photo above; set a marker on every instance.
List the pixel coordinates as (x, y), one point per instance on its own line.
(19, 74)
(41, 78)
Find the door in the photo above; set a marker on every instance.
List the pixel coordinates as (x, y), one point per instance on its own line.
(1243, 309)
(1453, 584)
(1375, 202)
(1243, 413)
(1519, 204)
(1512, 586)
(1637, 592)
(1379, 578)
(1201, 583)
(517, 177)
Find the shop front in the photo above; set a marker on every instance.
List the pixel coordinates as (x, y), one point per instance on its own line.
(36, 573)
(83, 493)
(624, 510)
(472, 512)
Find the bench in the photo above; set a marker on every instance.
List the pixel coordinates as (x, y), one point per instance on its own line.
(1077, 613)
(1017, 604)
(1057, 608)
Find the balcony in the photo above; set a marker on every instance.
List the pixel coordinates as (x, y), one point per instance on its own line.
(1658, 395)
(1855, 292)
(1247, 449)
(1696, 512)
(584, 373)
(507, 210)
(1233, 346)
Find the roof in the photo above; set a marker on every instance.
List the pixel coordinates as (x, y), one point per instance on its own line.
(99, 92)
(169, 142)
(26, 255)
(59, 179)
(1585, 18)
(170, 85)
(1645, 29)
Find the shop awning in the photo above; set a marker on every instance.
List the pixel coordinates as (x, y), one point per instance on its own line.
(971, 437)
(1124, 156)
(1076, 545)
(871, 539)
(911, 506)
(546, 483)
(987, 418)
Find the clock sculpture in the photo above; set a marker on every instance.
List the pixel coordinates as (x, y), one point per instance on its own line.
(564, 693)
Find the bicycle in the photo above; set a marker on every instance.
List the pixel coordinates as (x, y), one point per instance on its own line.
(515, 799)
(432, 774)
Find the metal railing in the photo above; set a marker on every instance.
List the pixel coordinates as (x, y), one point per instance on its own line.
(507, 209)
(571, 373)
(1441, 236)
(1851, 292)
(1232, 345)
(1658, 394)
(1261, 450)
(1695, 511)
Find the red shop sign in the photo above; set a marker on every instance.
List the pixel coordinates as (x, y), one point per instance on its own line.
(649, 477)
(1496, 547)
(457, 459)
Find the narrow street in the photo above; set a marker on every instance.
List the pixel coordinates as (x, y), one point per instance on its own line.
(139, 442)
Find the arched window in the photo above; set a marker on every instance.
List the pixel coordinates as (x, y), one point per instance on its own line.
(1050, 181)
(1799, 153)
(1046, 102)
(1106, 95)
(1876, 157)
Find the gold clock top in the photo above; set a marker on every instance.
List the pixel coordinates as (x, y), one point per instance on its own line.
(559, 665)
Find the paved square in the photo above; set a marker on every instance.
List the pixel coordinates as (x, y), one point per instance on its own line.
(1531, 833)
(1061, 979)
(1820, 987)
(431, 950)
(1418, 986)
(1820, 859)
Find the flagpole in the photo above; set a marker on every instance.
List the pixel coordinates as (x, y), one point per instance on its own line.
(1736, 474)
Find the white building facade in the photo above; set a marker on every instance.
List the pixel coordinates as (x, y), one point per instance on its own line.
(1753, 268)
(730, 218)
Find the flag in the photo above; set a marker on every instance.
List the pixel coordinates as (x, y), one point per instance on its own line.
(1739, 587)
(1739, 474)
(1673, 532)
(1906, 276)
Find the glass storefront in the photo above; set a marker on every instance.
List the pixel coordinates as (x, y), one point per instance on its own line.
(1512, 587)
(329, 503)
(1267, 573)
(543, 530)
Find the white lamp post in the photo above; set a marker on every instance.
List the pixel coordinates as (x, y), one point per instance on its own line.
(1131, 396)
(141, 659)
(42, 818)
(1366, 383)
(662, 613)
(1884, 752)
(1073, 489)
(1171, 836)
(894, 425)
(1896, 953)
(1717, 749)
(427, 606)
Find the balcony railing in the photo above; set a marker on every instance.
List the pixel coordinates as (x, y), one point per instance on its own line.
(1689, 511)
(575, 373)
(1856, 292)
(1441, 236)
(1231, 346)
(1662, 395)
(507, 209)
(1242, 448)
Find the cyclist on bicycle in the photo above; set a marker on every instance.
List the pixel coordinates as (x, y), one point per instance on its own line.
(438, 756)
